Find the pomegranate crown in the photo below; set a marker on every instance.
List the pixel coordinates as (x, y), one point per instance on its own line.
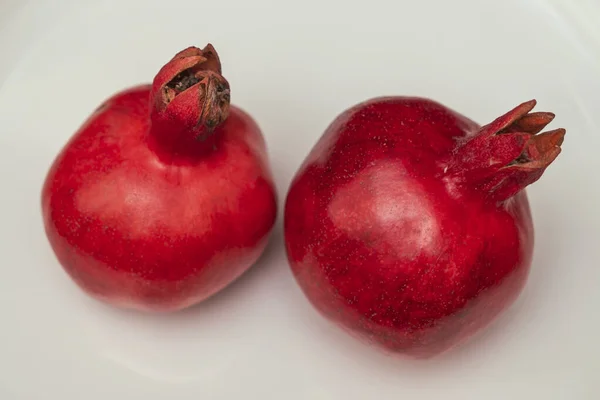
(510, 153)
(191, 91)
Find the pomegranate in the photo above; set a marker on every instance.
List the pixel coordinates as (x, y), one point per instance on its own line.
(165, 195)
(408, 223)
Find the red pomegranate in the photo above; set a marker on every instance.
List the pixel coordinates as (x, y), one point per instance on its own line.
(164, 196)
(408, 223)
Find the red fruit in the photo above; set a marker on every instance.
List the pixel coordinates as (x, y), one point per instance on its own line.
(408, 223)
(164, 196)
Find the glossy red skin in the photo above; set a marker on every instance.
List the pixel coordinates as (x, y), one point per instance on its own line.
(138, 227)
(384, 243)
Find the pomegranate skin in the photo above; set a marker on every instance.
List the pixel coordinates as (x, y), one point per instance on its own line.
(153, 207)
(408, 224)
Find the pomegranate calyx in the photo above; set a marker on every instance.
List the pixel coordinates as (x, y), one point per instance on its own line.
(190, 94)
(510, 153)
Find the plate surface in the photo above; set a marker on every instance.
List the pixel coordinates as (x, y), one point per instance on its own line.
(295, 67)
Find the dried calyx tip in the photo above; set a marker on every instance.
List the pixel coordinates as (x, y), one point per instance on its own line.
(540, 149)
(534, 122)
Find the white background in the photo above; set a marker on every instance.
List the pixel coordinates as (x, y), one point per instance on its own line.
(294, 66)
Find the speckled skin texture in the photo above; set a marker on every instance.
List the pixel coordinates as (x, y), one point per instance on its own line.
(145, 216)
(397, 230)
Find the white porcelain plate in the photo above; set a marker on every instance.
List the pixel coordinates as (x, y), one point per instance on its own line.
(295, 66)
